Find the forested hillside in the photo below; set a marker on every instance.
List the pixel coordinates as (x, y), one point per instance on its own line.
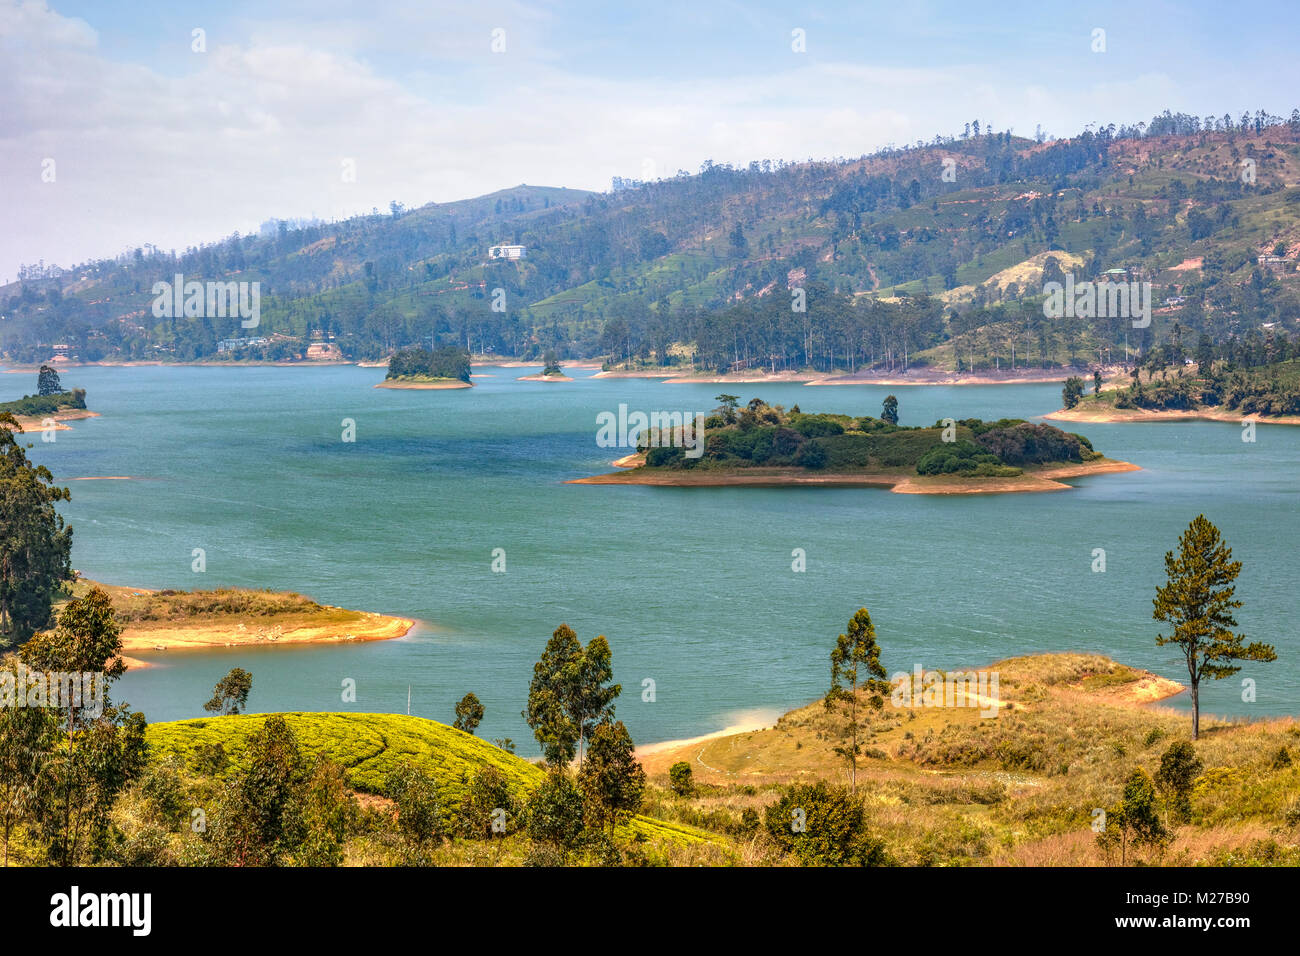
(935, 253)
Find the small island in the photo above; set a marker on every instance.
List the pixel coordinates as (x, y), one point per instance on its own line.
(233, 617)
(764, 445)
(551, 371)
(50, 403)
(420, 368)
(1214, 391)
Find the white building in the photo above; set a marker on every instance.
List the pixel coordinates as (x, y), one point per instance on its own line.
(507, 252)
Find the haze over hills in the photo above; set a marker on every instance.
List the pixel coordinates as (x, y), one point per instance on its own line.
(936, 253)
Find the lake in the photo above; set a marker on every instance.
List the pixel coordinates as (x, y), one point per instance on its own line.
(692, 586)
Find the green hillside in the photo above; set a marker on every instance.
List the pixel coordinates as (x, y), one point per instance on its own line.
(934, 253)
(370, 746)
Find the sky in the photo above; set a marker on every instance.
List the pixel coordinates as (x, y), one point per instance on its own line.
(121, 126)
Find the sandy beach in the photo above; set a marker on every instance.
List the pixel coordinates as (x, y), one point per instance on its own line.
(35, 423)
(425, 386)
(1041, 479)
(544, 378)
(1111, 415)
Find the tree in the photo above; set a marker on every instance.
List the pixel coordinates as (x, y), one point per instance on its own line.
(488, 800)
(1073, 391)
(568, 694)
(35, 546)
(889, 410)
(419, 818)
(611, 780)
(854, 653)
(230, 695)
(679, 778)
(1179, 768)
(1133, 821)
(549, 696)
(1096, 381)
(593, 696)
(27, 739)
(823, 825)
(47, 382)
(1198, 601)
(727, 405)
(553, 815)
(329, 813)
(469, 713)
(259, 819)
(551, 364)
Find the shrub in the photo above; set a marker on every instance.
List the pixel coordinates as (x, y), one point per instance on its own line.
(680, 779)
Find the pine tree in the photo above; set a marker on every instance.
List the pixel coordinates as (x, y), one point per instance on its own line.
(1198, 601)
(853, 652)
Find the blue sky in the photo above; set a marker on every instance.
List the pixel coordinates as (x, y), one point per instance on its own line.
(154, 142)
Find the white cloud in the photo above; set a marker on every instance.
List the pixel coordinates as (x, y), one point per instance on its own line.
(257, 128)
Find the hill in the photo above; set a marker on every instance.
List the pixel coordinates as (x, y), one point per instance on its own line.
(935, 253)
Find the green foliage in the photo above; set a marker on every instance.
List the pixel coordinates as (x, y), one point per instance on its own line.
(1179, 768)
(447, 362)
(611, 780)
(469, 713)
(1198, 600)
(1073, 391)
(855, 665)
(419, 815)
(681, 779)
(1133, 823)
(230, 695)
(35, 547)
(569, 693)
(554, 814)
(47, 381)
(45, 404)
(823, 825)
(889, 410)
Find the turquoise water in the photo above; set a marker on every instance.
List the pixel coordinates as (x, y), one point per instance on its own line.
(693, 587)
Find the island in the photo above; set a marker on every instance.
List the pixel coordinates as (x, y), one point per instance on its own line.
(169, 620)
(420, 368)
(50, 406)
(551, 371)
(1218, 391)
(765, 445)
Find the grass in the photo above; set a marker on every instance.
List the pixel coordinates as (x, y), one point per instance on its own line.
(369, 746)
(944, 786)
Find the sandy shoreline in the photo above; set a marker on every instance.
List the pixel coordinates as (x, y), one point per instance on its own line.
(34, 423)
(917, 376)
(1110, 415)
(543, 378)
(424, 386)
(1042, 479)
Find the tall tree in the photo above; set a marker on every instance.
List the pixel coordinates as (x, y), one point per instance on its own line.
(889, 410)
(230, 695)
(35, 546)
(569, 694)
(1198, 601)
(855, 664)
(47, 382)
(611, 780)
(100, 748)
